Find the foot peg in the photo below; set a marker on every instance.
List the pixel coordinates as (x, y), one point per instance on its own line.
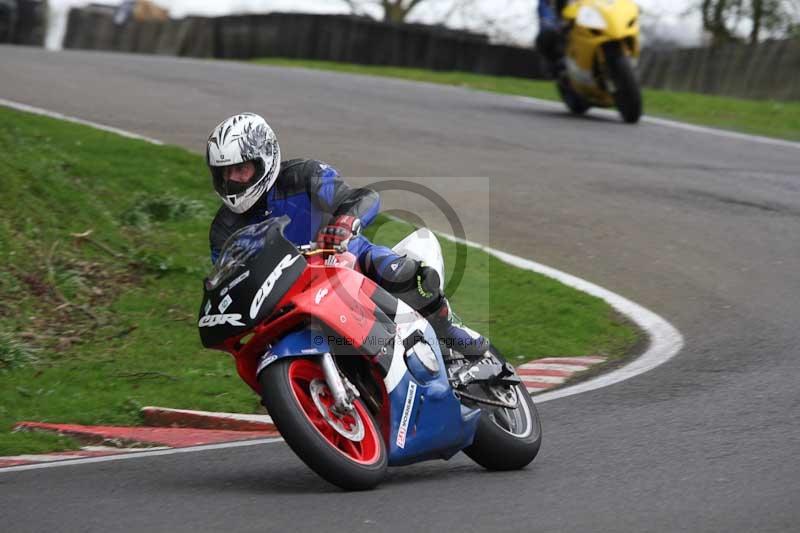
(485, 370)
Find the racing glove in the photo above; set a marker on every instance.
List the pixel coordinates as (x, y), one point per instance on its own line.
(339, 232)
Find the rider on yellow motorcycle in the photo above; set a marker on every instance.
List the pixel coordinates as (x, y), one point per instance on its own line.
(592, 48)
(551, 41)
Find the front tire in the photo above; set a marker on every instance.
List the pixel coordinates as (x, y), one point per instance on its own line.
(347, 451)
(627, 93)
(507, 439)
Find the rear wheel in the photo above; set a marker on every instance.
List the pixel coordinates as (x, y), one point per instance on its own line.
(346, 450)
(626, 91)
(507, 439)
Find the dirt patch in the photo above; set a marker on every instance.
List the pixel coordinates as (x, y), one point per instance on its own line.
(61, 297)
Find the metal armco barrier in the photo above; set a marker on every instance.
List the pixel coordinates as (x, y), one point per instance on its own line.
(769, 70)
(23, 22)
(325, 37)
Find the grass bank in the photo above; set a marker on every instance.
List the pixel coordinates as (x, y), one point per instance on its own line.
(759, 117)
(103, 247)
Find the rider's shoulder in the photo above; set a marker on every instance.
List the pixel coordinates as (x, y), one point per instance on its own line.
(305, 168)
(303, 175)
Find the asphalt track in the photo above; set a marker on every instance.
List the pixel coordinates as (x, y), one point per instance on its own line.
(701, 229)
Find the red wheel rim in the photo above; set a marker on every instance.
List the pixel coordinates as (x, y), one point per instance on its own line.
(367, 451)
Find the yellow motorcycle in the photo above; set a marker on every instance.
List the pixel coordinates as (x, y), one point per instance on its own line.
(602, 51)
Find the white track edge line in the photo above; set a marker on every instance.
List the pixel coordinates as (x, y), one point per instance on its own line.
(554, 104)
(137, 455)
(53, 114)
(665, 340)
(239, 417)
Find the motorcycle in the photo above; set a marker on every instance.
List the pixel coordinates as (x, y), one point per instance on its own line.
(603, 47)
(354, 379)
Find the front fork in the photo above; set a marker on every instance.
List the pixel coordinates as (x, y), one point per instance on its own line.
(343, 391)
(627, 47)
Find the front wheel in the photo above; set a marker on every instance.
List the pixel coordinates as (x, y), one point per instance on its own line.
(626, 91)
(507, 439)
(348, 451)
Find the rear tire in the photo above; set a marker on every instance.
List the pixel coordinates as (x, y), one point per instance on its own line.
(507, 439)
(627, 94)
(298, 400)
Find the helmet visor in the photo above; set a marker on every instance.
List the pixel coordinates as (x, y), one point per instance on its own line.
(228, 187)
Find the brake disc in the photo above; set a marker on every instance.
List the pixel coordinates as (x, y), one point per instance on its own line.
(318, 389)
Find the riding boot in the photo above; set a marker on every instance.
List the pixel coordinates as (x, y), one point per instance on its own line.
(419, 287)
(454, 335)
(551, 44)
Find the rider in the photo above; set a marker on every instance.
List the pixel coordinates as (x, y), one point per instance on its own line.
(550, 41)
(254, 184)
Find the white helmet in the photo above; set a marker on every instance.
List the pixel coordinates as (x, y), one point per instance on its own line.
(241, 138)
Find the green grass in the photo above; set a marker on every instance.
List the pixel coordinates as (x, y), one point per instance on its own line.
(103, 247)
(526, 315)
(760, 117)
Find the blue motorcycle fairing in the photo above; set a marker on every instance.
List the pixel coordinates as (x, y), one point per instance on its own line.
(428, 422)
(427, 419)
(300, 343)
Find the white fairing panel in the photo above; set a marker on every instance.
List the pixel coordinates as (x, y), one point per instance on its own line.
(408, 321)
(423, 245)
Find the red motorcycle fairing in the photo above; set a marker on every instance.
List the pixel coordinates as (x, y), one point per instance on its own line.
(339, 299)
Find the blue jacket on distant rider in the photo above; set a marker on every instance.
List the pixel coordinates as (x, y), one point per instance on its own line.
(253, 183)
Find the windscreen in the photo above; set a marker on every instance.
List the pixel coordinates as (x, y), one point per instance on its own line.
(256, 267)
(237, 250)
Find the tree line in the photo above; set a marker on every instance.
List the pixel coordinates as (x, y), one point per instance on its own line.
(751, 20)
(724, 21)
